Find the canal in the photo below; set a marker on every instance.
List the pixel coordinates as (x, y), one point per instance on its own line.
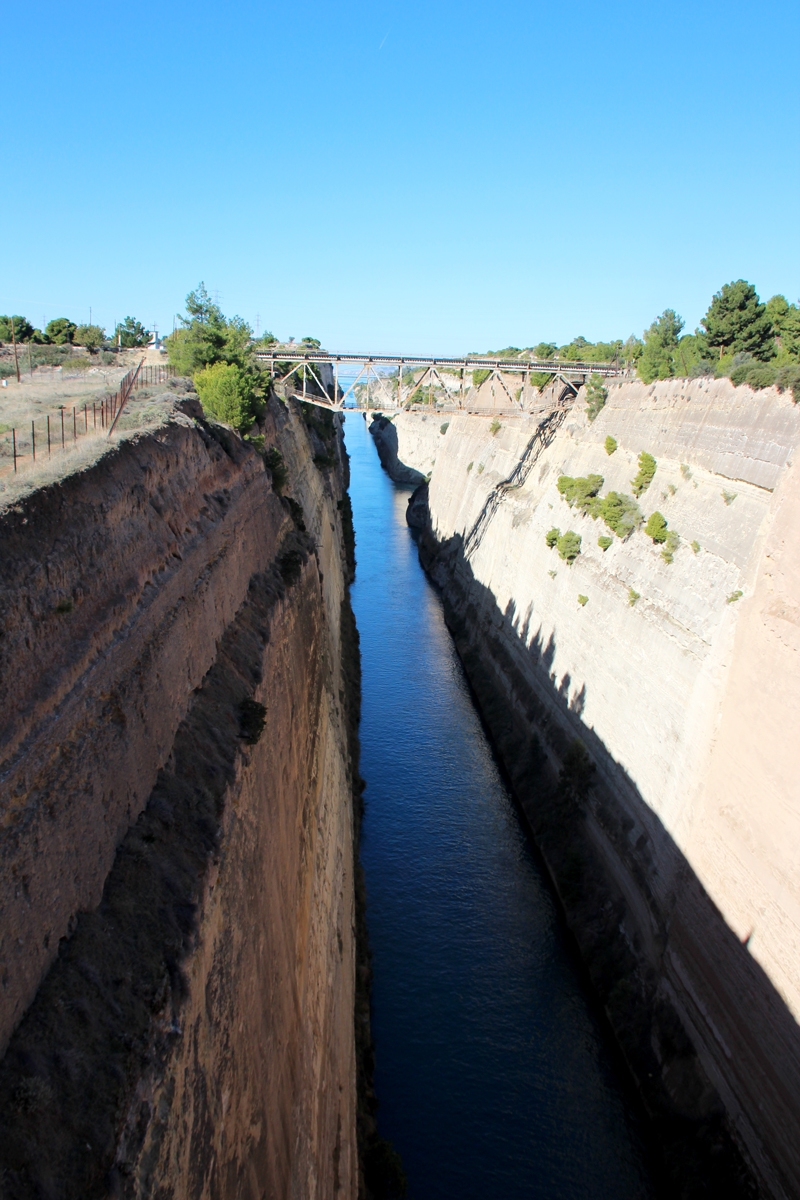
(493, 1073)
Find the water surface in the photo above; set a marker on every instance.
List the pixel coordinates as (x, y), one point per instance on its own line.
(493, 1075)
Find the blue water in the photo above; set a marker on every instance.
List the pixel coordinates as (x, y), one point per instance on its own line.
(492, 1073)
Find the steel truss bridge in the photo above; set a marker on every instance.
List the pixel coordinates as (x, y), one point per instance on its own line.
(322, 370)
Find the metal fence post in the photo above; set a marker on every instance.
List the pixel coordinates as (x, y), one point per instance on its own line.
(14, 447)
(33, 441)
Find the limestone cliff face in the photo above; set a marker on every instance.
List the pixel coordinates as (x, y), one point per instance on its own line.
(674, 845)
(178, 810)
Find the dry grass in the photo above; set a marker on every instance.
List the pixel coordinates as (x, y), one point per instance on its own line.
(48, 387)
(146, 410)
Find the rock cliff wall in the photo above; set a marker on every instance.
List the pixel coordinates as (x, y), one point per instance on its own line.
(649, 731)
(178, 958)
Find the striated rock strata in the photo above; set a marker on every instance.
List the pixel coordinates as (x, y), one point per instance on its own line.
(177, 840)
(649, 733)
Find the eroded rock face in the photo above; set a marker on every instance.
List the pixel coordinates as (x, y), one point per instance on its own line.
(672, 840)
(194, 1035)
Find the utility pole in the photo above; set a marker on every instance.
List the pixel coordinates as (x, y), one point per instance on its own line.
(14, 343)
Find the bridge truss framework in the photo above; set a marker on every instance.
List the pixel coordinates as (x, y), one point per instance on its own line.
(397, 394)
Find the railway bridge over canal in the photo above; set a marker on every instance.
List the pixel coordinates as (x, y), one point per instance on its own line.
(394, 380)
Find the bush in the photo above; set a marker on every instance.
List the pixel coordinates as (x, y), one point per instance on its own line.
(611, 444)
(226, 392)
(686, 471)
(274, 461)
(552, 537)
(252, 717)
(787, 378)
(90, 336)
(729, 497)
(647, 469)
(444, 428)
(695, 546)
(583, 600)
(734, 596)
(581, 492)
(633, 596)
(621, 513)
(604, 542)
(756, 374)
(540, 380)
(290, 565)
(479, 377)
(51, 356)
(596, 396)
(470, 466)
(672, 543)
(494, 428)
(569, 546)
(656, 528)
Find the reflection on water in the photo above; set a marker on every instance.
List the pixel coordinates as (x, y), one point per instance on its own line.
(492, 1074)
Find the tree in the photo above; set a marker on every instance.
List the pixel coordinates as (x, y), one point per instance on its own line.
(544, 350)
(738, 323)
(60, 331)
(226, 392)
(90, 336)
(130, 334)
(23, 330)
(596, 396)
(785, 320)
(660, 345)
(207, 337)
(656, 528)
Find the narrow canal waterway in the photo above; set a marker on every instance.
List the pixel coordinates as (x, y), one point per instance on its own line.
(492, 1073)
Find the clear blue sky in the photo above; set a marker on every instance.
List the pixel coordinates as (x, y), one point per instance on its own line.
(425, 176)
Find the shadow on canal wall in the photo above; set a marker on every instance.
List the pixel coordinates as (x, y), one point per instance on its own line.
(713, 1048)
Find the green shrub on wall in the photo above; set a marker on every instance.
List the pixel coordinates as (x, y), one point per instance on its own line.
(581, 492)
(552, 537)
(611, 444)
(647, 469)
(569, 546)
(596, 396)
(656, 528)
(621, 513)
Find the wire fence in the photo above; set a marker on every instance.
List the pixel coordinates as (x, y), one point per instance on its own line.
(60, 429)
